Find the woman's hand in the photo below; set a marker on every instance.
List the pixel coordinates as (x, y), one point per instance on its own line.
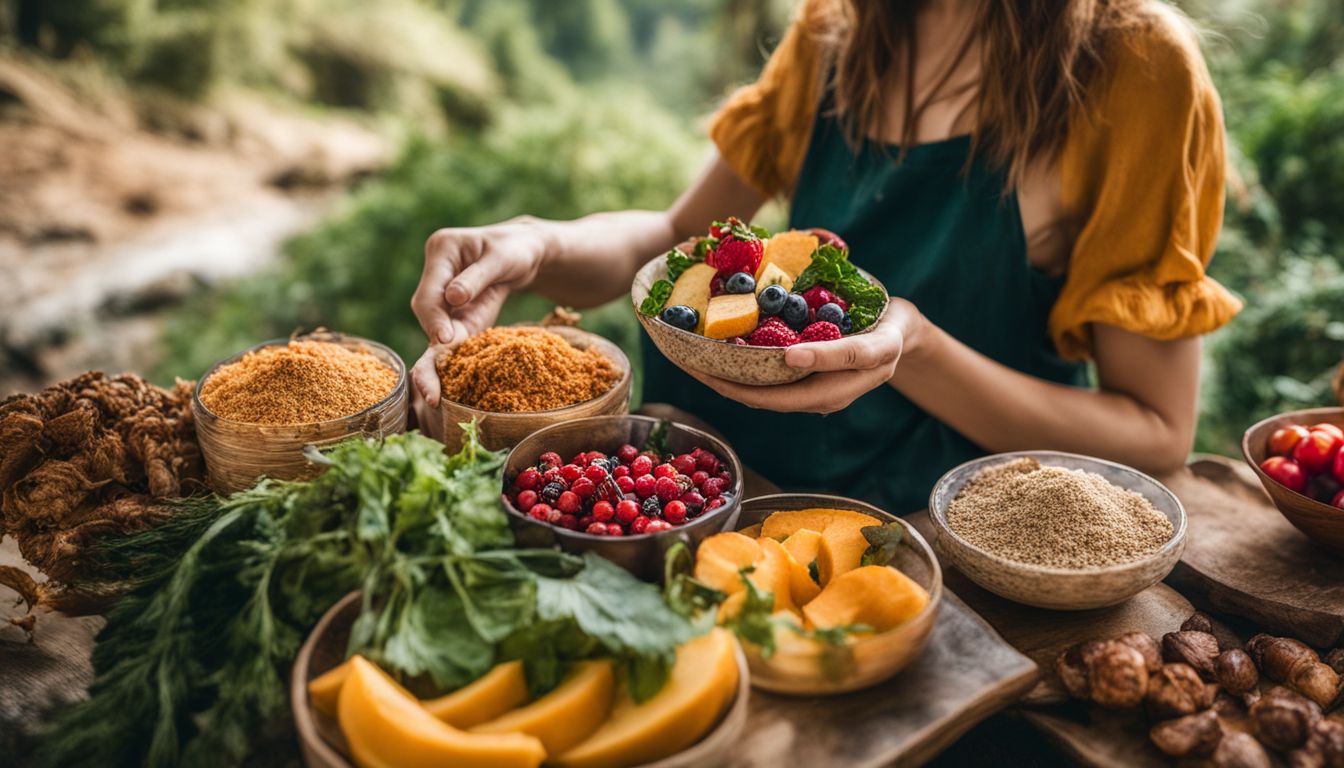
(843, 369)
(468, 274)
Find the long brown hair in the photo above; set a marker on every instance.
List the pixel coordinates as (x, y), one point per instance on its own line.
(1037, 59)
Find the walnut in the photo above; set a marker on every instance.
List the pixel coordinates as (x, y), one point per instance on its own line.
(1195, 734)
(1198, 622)
(1198, 649)
(1235, 671)
(1283, 719)
(1239, 750)
(1072, 669)
(1146, 646)
(1118, 675)
(1174, 691)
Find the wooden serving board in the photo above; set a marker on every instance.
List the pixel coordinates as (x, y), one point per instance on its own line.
(1243, 558)
(966, 673)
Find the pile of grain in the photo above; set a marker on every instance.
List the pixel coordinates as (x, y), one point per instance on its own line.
(519, 370)
(1061, 518)
(302, 382)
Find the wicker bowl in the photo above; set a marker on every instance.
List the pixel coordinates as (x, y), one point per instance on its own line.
(503, 430)
(643, 554)
(1321, 522)
(237, 454)
(1064, 589)
(323, 745)
(759, 366)
(870, 660)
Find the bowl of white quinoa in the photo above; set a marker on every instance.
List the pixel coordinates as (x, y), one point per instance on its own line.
(1057, 530)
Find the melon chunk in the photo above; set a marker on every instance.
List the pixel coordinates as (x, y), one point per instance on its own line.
(385, 726)
(772, 274)
(731, 314)
(692, 290)
(702, 683)
(567, 715)
(842, 542)
(491, 695)
(774, 574)
(803, 545)
(325, 689)
(720, 558)
(801, 586)
(875, 595)
(791, 250)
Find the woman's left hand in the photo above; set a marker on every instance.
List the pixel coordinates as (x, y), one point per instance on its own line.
(843, 369)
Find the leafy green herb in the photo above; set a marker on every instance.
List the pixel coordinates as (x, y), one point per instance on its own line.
(704, 246)
(835, 636)
(831, 267)
(657, 298)
(683, 593)
(814, 573)
(753, 623)
(884, 541)
(657, 439)
(678, 262)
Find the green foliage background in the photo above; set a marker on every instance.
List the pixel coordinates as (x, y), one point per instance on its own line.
(557, 109)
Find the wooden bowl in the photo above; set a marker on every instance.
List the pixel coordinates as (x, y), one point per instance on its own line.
(323, 745)
(759, 366)
(1321, 522)
(503, 430)
(642, 555)
(870, 660)
(237, 454)
(1062, 589)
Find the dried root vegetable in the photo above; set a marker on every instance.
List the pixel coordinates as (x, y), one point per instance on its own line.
(84, 459)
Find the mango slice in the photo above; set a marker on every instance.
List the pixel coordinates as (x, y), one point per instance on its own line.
(773, 274)
(774, 574)
(731, 314)
(692, 290)
(567, 715)
(385, 726)
(803, 545)
(842, 545)
(702, 683)
(791, 250)
(720, 557)
(875, 595)
(325, 689)
(501, 689)
(801, 586)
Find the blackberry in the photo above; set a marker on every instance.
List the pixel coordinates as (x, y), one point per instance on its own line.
(552, 492)
(652, 508)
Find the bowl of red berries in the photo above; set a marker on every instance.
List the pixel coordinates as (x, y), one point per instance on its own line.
(625, 487)
(1299, 458)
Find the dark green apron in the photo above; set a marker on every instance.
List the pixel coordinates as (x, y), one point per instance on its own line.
(936, 232)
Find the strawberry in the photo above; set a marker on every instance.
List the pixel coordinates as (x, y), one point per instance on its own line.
(773, 333)
(739, 249)
(818, 295)
(820, 331)
(827, 237)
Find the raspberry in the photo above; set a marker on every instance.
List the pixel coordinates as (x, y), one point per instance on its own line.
(738, 252)
(707, 462)
(571, 472)
(639, 524)
(595, 456)
(772, 333)
(699, 477)
(553, 516)
(568, 503)
(550, 458)
(711, 488)
(583, 487)
(526, 500)
(626, 484)
(656, 526)
(539, 512)
(664, 470)
(580, 460)
(725, 478)
(668, 489)
(674, 512)
(621, 470)
(569, 522)
(603, 511)
(595, 473)
(528, 479)
(615, 530)
(818, 295)
(641, 465)
(626, 510)
(584, 522)
(596, 529)
(645, 486)
(552, 475)
(820, 331)
(627, 453)
(685, 463)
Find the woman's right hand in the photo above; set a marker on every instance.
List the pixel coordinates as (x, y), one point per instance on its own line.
(468, 274)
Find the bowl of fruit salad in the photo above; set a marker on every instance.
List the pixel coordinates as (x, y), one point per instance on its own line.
(730, 303)
(625, 487)
(1298, 458)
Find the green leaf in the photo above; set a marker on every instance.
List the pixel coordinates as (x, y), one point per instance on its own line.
(657, 439)
(657, 298)
(884, 541)
(814, 573)
(753, 623)
(608, 603)
(831, 268)
(683, 593)
(704, 246)
(433, 635)
(498, 593)
(678, 262)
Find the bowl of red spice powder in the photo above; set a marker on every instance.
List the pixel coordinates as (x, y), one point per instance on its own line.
(515, 380)
(258, 410)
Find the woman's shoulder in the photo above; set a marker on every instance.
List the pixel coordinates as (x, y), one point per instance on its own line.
(1155, 55)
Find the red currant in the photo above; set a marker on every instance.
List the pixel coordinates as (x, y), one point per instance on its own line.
(627, 453)
(641, 466)
(540, 512)
(655, 526)
(585, 521)
(526, 500)
(692, 499)
(626, 484)
(592, 456)
(621, 470)
(580, 460)
(707, 461)
(569, 503)
(529, 479)
(571, 472)
(596, 529)
(553, 517)
(714, 503)
(667, 489)
(674, 512)
(603, 511)
(626, 510)
(550, 457)
(615, 530)
(711, 488)
(664, 470)
(699, 477)
(639, 524)
(583, 487)
(645, 486)
(685, 463)
(568, 522)
(724, 477)
(595, 473)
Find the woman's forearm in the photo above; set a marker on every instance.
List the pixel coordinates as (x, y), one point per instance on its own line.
(1146, 419)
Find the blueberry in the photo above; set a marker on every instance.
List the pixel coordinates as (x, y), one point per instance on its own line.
(739, 282)
(846, 323)
(830, 312)
(771, 299)
(681, 316)
(794, 312)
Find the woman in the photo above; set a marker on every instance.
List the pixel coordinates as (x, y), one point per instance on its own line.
(1036, 183)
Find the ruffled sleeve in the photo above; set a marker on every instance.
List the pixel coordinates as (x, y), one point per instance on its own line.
(1143, 172)
(762, 129)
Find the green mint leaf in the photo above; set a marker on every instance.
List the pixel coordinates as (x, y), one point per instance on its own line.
(883, 543)
(657, 439)
(704, 246)
(678, 262)
(657, 298)
(753, 623)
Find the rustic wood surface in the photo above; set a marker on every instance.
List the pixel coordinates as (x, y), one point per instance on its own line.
(966, 673)
(1242, 557)
(1099, 738)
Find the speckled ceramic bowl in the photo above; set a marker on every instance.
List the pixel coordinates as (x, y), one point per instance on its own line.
(759, 366)
(1065, 589)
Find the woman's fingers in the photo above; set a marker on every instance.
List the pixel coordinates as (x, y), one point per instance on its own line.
(425, 378)
(855, 353)
(427, 302)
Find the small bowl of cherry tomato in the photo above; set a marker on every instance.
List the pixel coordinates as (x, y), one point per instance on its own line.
(625, 487)
(1299, 458)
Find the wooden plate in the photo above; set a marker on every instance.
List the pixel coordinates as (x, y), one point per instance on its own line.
(323, 746)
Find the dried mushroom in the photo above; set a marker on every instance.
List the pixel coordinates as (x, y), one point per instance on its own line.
(1235, 671)
(1176, 690)
(1283, 719)
(1239, 750)
(1295, 664)
(1196, 734)
(1197, 649)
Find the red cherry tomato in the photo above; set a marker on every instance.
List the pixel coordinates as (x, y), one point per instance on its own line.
(1317, 450)
(1336, 467)
(1285, 472)
(1332, 428)
(1285, 439)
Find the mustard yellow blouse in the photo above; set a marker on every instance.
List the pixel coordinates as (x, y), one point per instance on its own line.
(1142, 170)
